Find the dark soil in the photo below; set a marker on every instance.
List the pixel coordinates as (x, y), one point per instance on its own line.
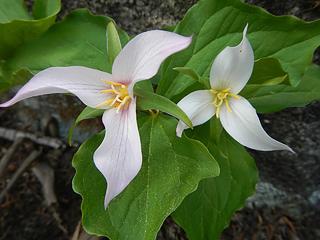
(24, 215)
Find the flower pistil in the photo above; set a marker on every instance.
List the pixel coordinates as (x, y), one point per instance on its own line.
(222, 96)
(120, 97)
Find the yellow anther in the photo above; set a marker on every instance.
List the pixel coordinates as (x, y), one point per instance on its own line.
(113, 83)
(222, 96)
(105, 103)
(119, 94)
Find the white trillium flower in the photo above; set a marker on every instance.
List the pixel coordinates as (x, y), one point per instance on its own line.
(229, 74)
(119, 156)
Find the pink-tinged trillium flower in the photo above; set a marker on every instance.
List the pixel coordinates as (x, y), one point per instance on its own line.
(119, 156)
(229, 74)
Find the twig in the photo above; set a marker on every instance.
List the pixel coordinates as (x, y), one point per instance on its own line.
(76, 233)
(6, 157)
(56, 216)
(45, 175)
(12, 135)
(80, 234)
(33, 155)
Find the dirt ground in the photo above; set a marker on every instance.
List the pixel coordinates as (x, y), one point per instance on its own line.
(287, 203)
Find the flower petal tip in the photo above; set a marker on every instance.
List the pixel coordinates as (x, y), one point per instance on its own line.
(179, 132)
(284, 147)
(245, 30)
(107, 201)
(6, 104)
(189, 39)
(180, 128)
(290, 150)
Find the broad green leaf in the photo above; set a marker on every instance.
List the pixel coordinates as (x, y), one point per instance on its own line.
(275, 98)
(43, 8)
(207, 211)
(193, 75)
(267, 71)
(12, 10)
(171, 169)
(215, 25)
(87, 113)
(79, 40)
(113, 42)
(145, 85)
(189, 72)
(152, 101)
(16, 77)
(17, 26)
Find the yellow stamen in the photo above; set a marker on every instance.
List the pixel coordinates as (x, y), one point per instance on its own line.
(222, 96)
(228, 106)
(116, 99)
(234, 96)
(105, 103)
(107, 91)
(123, 102)
(113, 83)
(119, 94)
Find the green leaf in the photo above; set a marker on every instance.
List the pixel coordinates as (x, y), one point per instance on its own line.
(18, 27)
(267, 71)
(207, 211)
(17, 77)
(193, 75)
(188, 72)
(217, 24)
(171, 169)
(113, 42)
(145, 85)
(79, 40)
(152, 101)
(12, 10)
(43, 8)
(87, 113)
(275, 98)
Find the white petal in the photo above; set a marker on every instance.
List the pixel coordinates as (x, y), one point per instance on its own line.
(141, 58)
(85, 83)
(233, 66)
(198, 107)
(243, 124)
(119, 156)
